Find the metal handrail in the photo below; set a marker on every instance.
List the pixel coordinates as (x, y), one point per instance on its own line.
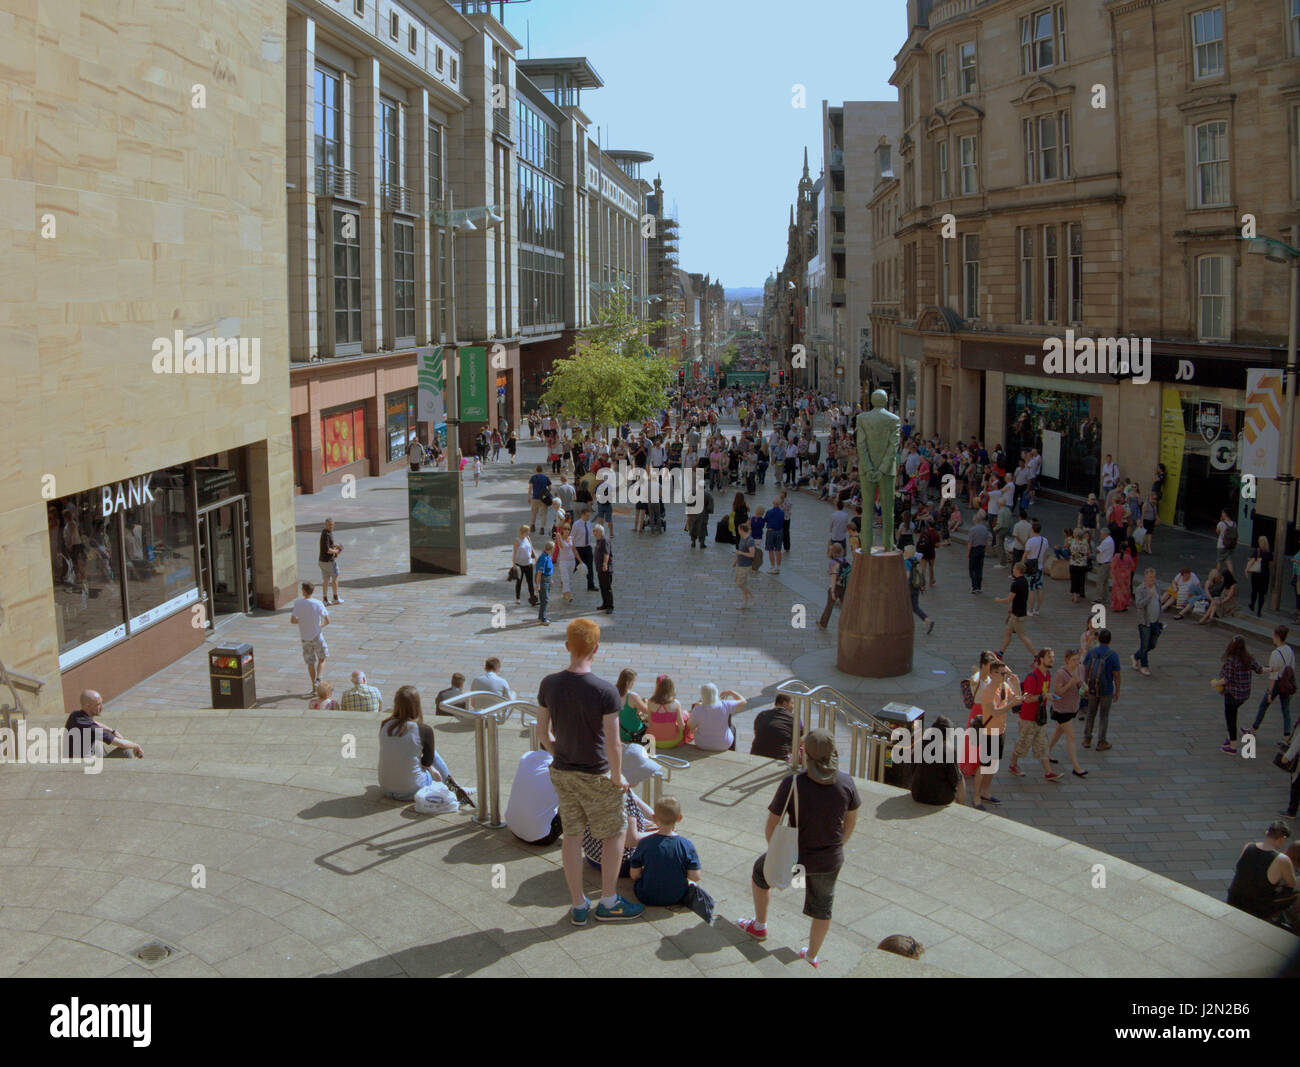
(14, 681)
(869, 736)
(487, 754)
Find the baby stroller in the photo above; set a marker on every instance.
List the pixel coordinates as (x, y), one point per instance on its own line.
(656, 520)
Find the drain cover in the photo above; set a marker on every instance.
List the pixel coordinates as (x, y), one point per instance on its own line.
(154, 952)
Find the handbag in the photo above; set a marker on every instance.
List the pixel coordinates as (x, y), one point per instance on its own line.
(1282, 763)
(512, 575)
(783, 848)
(1253, 567)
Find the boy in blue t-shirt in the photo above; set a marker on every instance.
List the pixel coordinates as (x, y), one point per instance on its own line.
(665, 868)
(545, 568)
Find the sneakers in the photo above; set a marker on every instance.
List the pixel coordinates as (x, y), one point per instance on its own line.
(1054, 776)
(1227, 747)
(1087, 742)
(803, 955)
(1103, 746)
(338, 600)
(1016, 771)
(1144, 671)
(751, 927)
(1134, 660)
(578, 916)
(622, 909)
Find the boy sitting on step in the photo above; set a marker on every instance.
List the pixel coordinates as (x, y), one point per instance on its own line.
(665, 868)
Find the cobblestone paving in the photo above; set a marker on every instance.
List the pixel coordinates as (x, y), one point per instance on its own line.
(1164, 797)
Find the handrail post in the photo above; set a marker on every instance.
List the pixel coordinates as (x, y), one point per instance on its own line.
(494, 771)
(481, 816)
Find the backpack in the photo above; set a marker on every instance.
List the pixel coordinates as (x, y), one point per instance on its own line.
(1285, 685)
(842, 575)
(1230, 537)
(917, 578)
(547, 497)
(757, 561)
(1096, 673)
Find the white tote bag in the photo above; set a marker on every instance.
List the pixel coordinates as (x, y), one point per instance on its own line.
(436, 799)
(783, 849)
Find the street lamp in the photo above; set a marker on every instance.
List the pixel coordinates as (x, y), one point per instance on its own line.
(1278, 252)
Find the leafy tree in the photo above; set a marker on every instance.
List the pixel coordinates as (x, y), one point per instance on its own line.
(608, 379)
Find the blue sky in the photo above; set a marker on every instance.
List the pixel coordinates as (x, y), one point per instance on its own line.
(706, 86)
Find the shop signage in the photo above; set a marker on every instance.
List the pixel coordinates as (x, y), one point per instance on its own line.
(472, 380)
(1172, 442)
(1209, 419)
(128, 494)
(429, 373)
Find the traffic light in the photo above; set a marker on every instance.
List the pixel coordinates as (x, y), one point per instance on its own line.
(782, 377)
(681, 377)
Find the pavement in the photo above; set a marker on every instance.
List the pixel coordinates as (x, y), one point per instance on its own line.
(301, 855)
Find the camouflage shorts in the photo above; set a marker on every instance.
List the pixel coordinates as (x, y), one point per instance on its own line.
(589, 801)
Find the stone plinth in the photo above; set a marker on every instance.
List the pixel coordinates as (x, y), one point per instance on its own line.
(875, 639)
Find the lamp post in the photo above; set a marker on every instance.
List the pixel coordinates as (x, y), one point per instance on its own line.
(1278, 252)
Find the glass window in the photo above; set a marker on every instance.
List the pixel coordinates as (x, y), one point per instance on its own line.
(971, 276)
(1051, 276)
(1207, 42)
(941, 167)
(1048, 162)
(945, 264)
(400, 423)
(390, 144)
(1065, 144)
(966, 52)
(328, 127)
(403, 281)
(343, 437)
(1212, 164)
(159, 548)
(86, 557)
(969, 168)
(1031, 156)
(1026, 274)
(435, 161)
(1060, 33)
(1064, 427)
(941, 75)
(347, 277)
(1075, 232)
(1212, 298)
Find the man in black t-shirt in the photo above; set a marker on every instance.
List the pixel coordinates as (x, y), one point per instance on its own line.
(85, 733)
(578, 725)
(329, 566)
(1017, 621)
(774, 730)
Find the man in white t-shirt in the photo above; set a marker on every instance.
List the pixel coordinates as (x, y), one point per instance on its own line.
(493, 687)
(311, 618)
(1020, 533)
(1282, 657)
(533, 812)
(840, 528)
(1109, 474)
(1105, 553)
(1037, 552)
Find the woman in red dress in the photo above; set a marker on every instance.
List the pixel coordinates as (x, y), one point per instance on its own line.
(1122, 567)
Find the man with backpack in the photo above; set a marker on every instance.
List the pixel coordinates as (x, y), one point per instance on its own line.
(916, 584)
(838, 569)
(1281, 682)
(539, 497)
(1227, 531)
(1101, 673)
(1037, 550)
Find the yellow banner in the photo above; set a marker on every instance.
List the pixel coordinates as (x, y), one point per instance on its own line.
(1172, 440)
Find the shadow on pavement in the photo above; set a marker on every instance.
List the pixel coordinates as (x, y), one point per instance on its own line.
(459, 956)
(383, 847)
(745, 784)
(904, 807)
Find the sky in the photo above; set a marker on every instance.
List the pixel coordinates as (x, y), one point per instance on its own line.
(706, 85)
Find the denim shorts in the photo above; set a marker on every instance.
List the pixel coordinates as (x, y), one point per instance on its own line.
(772, 540)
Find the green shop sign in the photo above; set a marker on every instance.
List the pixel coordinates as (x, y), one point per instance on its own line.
(472, 370)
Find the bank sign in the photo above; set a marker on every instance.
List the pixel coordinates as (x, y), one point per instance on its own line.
(123, 495)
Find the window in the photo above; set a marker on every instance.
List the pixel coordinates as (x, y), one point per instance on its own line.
(945, 262)
(1212, 298)
(966, 56)
(411, 39)
(394, 26)
(1051, 274)
(1295, 27)
(1075, 237)
(1042, 39)
(359, 6)
(941, 168)
(389, 144)
(437, 60)
(1212, 164)
(403, 282)
(343, 437)
(969, 169)
(941, 75)
(1026, 241)
(1207, 43)
(907, 104)
(328, 121)
(909, 201)
(347, 278)
(1065, 144)
(1031, 155)
(453, 70)
(1048, 163)
(971, 276)
(435, 161)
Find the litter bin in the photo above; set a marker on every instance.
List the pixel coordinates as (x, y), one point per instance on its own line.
(904, 715)
(231, 672)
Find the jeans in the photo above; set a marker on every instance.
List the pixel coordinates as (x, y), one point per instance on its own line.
(916, 603)
(1098, 707)
(424, 778)
(976, 566)
(1230, 706)
(1284, 700)
(543, 595)
(1258, 592)
(1144, 643)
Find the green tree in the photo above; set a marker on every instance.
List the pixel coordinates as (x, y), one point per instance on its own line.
(608, 379)
(729, 355)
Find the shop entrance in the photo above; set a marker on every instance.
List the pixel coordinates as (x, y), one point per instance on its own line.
(225, 559)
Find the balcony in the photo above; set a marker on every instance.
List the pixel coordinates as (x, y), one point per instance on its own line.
(838, 293)
(396, 198)
(837, 202)
(501, 122)
(838, 239)
(837, 160)
(335, 181)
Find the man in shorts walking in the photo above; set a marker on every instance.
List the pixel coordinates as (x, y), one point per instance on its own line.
(329, 563)
(312, 618)
(1018, 612)
(578, 725)
(828, 804)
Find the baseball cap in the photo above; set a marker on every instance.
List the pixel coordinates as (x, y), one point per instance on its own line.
(822, 758)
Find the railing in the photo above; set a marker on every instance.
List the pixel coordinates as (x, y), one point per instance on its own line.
(868, 735)
(395, 198)
(335, 181)
(13, 681)
(487, 754)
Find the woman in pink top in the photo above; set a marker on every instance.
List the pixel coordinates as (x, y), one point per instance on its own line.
(667, 724)
(1067, 688)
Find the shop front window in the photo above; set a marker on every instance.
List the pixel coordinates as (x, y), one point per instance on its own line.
(400, 423)
(1065, 428)
(1209, 479)
(343, 436)
(86, 556)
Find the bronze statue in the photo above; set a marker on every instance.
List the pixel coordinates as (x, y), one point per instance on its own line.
(877, 437)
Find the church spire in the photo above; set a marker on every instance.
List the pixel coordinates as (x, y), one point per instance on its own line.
(805, 163)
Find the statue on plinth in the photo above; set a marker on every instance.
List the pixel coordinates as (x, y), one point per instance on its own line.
(877, 438)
